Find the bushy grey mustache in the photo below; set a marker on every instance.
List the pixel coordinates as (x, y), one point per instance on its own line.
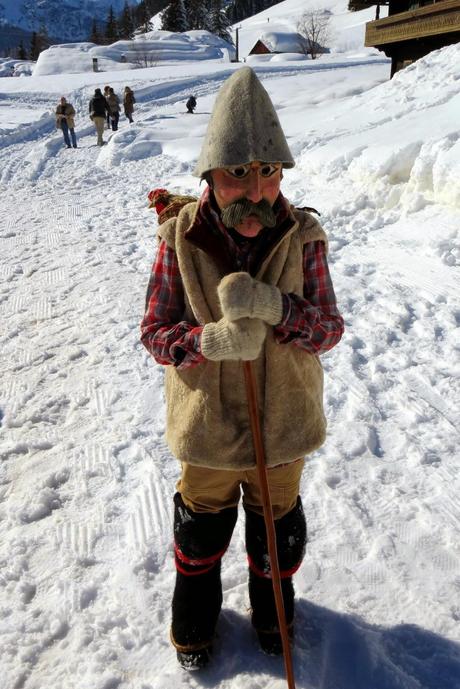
(237, 211)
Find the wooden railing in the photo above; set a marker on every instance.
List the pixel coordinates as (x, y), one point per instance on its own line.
(439, 18)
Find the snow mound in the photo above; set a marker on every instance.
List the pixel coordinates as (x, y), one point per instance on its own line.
(145, 50)
(128, 145)
(413, 157)
(10, 67)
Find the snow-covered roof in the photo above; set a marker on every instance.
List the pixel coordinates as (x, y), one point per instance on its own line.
(283, 41)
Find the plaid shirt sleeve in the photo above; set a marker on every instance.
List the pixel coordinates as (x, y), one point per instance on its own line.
(164, 333)
(314, 322)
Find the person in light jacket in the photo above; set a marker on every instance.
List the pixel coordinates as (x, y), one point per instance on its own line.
(65, 114)
(106, 95)
(114, 108)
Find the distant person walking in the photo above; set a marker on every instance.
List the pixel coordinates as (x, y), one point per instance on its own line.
(106, 95)
(65, 114)
(98, 110)
(114, 108)
(128, 103)
(191, 104)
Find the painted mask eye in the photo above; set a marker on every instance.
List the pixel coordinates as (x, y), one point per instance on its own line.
(239, 171)
(268, 169)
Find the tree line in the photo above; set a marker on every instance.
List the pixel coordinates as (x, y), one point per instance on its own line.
(178, 16)
(39, 41)
(213, 15)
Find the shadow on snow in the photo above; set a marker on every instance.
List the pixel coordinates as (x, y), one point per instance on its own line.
(339, 651)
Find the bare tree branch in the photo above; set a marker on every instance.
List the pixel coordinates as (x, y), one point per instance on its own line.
(313, 26)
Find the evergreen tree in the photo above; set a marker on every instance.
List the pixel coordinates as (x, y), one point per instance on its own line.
(174, 17)
(219, 22)
(34, 51)
(95, 36)
(43, 38)
(237, 10)
(39, 41)
(142, 17)
(357, 5)
(22, 55)
(111, 27)
(197, 14)
(143, 12)
(126, 26)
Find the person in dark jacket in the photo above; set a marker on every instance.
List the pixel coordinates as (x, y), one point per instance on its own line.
(128, 103)
(65, 114)
(98, 110)
(191, 104)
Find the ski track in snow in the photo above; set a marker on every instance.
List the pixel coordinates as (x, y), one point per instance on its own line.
(86, 555)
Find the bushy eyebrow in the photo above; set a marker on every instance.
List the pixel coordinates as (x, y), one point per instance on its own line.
(246, 166)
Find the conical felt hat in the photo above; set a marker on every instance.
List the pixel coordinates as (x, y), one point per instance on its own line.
(243, 127)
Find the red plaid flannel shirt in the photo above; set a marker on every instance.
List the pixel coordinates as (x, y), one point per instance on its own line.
(312, 323)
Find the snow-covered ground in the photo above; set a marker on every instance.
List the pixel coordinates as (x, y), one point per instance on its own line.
(86, 480)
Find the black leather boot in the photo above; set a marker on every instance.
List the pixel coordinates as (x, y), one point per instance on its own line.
(291, 538)
(195, 608)
(200, 540)
(264, 617)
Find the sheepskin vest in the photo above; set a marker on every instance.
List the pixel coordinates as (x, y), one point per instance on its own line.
(207, 413)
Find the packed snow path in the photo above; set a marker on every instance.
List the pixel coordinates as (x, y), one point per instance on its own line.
(86, 480)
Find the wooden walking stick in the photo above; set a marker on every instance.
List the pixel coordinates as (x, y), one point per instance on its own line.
(251, 392)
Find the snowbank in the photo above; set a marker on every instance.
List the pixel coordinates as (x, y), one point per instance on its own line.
(10, 67)
(146, 50)
(407, 155)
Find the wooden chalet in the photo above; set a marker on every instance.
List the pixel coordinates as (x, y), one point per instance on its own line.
(414, 28)
(278, 42)
(259, 48)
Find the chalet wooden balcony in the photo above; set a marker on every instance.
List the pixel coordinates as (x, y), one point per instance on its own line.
(432, 20)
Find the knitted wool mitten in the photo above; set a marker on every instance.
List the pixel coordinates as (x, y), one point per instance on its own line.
(241, 296)
(227, 340)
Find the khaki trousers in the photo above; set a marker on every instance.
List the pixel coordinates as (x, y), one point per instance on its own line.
(99, 123)
(211, 490)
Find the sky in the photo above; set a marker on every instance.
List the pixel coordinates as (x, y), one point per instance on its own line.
(86, 478)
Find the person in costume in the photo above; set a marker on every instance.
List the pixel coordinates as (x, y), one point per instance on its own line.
(240, 275)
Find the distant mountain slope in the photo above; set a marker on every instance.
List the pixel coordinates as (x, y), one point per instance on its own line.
(11, 37)
(68, 20)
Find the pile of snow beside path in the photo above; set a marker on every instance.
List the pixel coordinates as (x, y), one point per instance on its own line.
(144, 50)
(10, 67)
(399, 142)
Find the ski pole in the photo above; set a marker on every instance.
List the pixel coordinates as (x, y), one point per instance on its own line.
(251, 393)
